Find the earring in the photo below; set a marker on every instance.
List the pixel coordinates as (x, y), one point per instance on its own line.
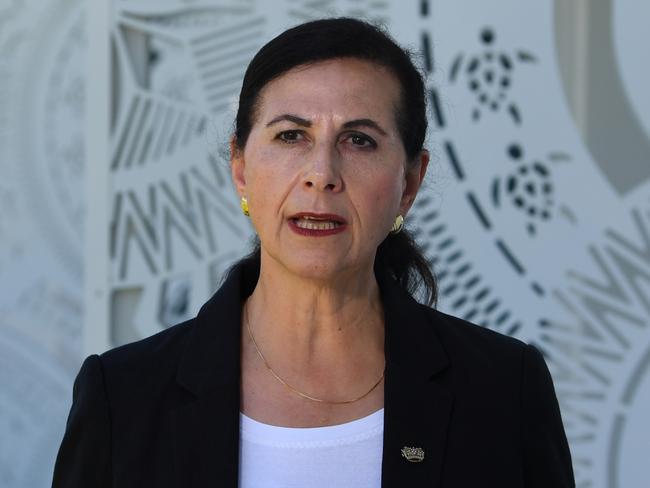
(398, 225)
(244, 206)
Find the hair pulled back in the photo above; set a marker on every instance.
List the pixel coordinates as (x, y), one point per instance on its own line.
(398, 255)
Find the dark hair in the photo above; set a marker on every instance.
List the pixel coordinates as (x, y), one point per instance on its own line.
(398, 255)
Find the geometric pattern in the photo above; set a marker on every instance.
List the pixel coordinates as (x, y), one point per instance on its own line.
(514, 246)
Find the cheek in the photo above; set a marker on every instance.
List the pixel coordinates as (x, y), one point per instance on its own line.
(388, 188)
(264, 173)
(382, 200)
(269, 178)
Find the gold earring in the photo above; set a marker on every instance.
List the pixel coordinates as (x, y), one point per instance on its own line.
(398, 225)
(244, 206)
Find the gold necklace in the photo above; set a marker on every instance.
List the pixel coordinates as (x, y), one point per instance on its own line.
(295, 390)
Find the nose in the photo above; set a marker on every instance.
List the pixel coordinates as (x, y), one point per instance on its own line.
(323, 171)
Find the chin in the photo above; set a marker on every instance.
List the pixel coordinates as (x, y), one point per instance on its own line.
(317, 266)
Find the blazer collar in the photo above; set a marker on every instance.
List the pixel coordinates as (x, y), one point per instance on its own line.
(212, 355)
(417, 405)
(206, 428)
(411, 343)
(417, 402)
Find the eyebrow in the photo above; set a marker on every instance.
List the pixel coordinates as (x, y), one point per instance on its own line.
(348, 125)
(291, 118)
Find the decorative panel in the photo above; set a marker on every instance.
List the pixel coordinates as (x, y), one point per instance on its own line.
(529, 234)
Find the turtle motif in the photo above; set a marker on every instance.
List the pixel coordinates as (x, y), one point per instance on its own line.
(529, 188)
(489, 75)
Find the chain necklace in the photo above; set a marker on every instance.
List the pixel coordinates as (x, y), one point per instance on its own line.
(295, 390)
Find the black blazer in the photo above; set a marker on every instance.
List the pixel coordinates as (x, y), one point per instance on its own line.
(164, 411)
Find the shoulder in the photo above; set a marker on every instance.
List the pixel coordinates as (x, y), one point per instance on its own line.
(493, 368)
(154, 347)
(149, 360)
(457, 332)
(484, 351)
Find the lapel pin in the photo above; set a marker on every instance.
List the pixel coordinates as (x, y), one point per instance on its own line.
(413, 454)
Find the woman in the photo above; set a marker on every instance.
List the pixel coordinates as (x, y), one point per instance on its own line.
(313, 365)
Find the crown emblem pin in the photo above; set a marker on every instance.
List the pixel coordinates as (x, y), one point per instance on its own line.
(413, 454)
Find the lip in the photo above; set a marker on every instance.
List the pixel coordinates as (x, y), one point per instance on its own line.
(316, 232)
(321, 216)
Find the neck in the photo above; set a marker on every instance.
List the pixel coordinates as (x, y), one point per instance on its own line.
(317, 325)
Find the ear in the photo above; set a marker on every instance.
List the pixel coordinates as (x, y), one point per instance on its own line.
(413, 179)
(237, 167)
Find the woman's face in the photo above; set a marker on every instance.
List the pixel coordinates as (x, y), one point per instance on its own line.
(324, 168)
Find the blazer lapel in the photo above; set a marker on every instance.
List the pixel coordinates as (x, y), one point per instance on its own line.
(417, 405)
(206, 426)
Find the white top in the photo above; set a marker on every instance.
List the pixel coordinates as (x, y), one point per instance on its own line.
(344, 455)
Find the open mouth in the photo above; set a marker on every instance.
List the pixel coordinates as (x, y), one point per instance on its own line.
(317, 222)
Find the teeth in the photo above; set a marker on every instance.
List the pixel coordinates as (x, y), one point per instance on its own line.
(307, 217)
(309, 223)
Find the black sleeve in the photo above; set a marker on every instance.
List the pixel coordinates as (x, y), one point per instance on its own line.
(84, 456)
(547, 459)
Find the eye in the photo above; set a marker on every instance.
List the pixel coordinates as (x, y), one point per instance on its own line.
(289, 136)
(361, 140)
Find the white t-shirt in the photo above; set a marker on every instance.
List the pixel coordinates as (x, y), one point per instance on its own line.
(341, 456)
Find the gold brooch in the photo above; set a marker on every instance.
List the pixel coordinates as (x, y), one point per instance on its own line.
(413, 454)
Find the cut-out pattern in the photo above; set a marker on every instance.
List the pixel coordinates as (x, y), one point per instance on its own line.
(489, 75)
(529, 188)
